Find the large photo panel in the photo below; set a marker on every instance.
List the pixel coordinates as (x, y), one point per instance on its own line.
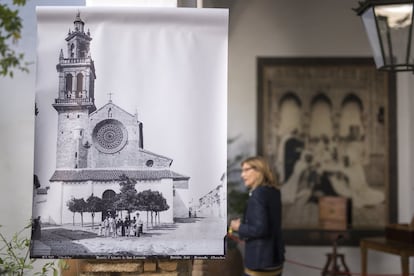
(130, 133)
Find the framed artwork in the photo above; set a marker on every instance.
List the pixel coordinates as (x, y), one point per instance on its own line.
(328, 127)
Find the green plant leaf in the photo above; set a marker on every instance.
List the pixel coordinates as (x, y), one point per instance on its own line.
(10, 34)
(15, 258)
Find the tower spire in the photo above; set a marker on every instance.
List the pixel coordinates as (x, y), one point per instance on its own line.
(79, 24)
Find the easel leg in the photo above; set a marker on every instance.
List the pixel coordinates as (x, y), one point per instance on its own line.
(363, 260)
(404, 265)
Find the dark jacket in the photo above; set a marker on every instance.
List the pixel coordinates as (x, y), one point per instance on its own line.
(261, 229)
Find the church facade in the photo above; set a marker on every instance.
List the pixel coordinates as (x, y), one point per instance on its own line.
(97, 146)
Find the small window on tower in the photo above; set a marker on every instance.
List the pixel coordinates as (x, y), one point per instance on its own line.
(149, 163)
(68, 80)
(79, 85)
(67, 116)
(78, 116)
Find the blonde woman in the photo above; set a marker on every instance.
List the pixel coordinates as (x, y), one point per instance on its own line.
(261, 225)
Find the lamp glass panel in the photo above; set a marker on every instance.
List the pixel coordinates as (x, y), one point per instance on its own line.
(385, 40)
(394, 28)
(368, 20)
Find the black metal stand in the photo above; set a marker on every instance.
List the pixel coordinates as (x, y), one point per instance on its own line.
(335, 265)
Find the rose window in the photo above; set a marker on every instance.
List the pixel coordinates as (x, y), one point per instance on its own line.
(110, 136)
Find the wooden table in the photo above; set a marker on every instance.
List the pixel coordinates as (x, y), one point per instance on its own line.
(404, 250)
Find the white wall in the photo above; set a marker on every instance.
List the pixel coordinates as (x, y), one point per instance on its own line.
(405, 115)
(278, 28)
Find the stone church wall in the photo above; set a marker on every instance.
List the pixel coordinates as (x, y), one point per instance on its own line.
(71, 124)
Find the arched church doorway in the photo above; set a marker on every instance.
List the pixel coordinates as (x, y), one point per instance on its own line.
(108, 198)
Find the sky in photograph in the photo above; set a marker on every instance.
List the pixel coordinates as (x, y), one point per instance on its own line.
(168, 65)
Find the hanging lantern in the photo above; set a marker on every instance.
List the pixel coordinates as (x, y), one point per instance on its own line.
(389, 26)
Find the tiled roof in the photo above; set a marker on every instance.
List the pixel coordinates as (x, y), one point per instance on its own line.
(41, 191)
(78, 175)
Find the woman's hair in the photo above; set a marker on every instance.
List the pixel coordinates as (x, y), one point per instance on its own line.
(259, 164)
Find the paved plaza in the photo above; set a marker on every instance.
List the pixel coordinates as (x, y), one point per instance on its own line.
(189, 236)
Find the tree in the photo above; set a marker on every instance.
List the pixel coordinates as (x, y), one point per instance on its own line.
(152, 201)
(94, 204)
(160, 204)
(127, 199)
(236, 193)
(144, 198)
(80, 205)
(72, 207)
(77, 205)
(10, 33)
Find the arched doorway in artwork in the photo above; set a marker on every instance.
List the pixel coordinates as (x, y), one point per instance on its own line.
(321, 125)
(290, 144)
(351, 121)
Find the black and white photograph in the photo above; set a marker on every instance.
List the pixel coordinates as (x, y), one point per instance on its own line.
(130, 133)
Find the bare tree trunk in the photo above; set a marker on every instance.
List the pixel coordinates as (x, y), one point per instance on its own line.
(152, 218)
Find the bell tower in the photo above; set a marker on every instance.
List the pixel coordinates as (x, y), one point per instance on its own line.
(75, 99)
